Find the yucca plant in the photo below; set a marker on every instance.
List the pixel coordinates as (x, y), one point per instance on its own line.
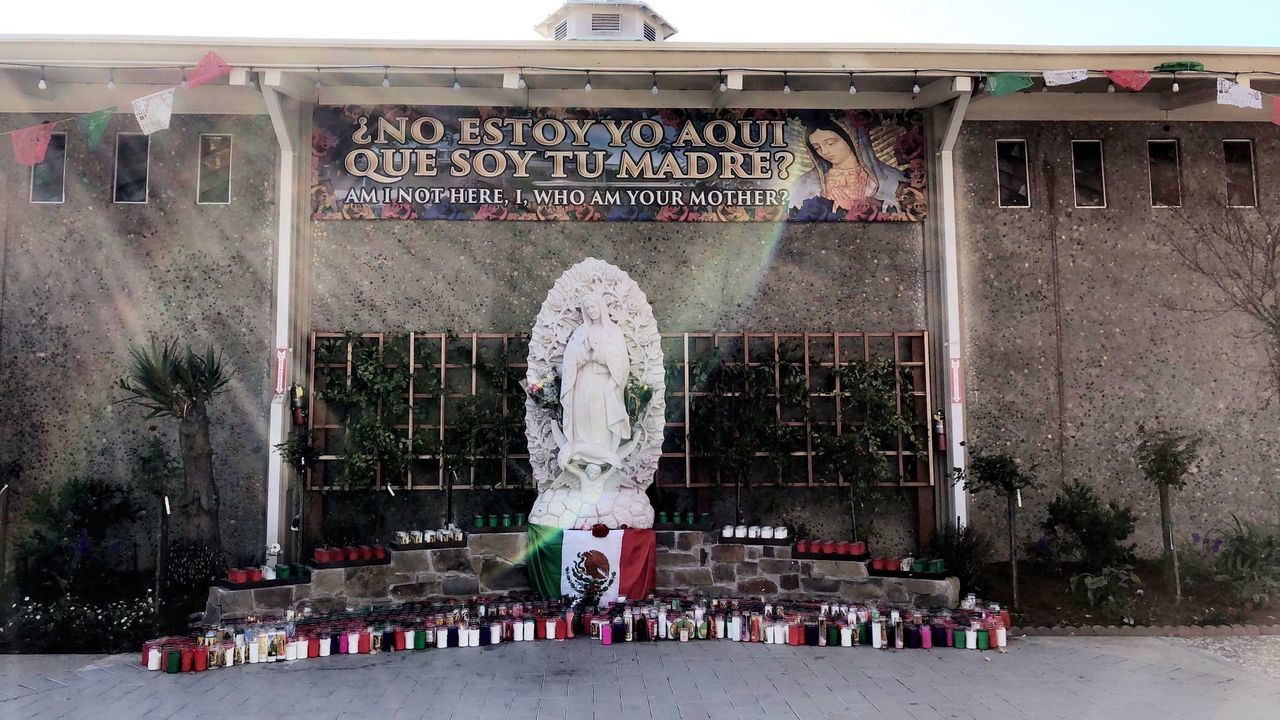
(179, 383)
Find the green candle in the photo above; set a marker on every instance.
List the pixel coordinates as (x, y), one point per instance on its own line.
(984, 640)
(420, 639)
(172, 660)
(959, 638)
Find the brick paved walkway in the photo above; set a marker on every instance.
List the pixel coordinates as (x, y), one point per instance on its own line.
(1039, 678)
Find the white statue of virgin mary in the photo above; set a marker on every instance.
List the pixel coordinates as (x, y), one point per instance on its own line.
(596, 332)
(593, 377)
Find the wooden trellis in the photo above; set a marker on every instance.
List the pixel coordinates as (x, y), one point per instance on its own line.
(458, 361)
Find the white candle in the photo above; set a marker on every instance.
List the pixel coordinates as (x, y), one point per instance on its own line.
(768, 634)
(518, 630)
(780, 633)
(353, 643)
(529, 631)
(971, 638)
(229, 657)
(153, 658)
(473, 637)
(1002, 636)
(846, 636)
(408, 639)
(442, 637)
(291, 650)
(495, 633)
(662, 625)
(876, 641)
(735, 628)
(253, 653)
(324, 645)
(721, 627)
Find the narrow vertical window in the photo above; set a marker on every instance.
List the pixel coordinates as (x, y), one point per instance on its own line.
(1242, 187)
(213, 184)
(48, 178)
(133, 159)
(1090, 178)
(1011, 173)
(1163, 168)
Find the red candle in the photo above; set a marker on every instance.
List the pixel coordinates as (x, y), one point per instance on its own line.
(858, 548)
(828, 547)
(365, 643)
(379, 552)
(795, 634)
(399, 639)
(255, 575)
(146, 650)
(561, 629)
(845, 548)
(321, 555)
(366, 552)
(802, 546)
(352, 552)
(186, 659)
(202, 659)
(313, 647)
(540, 629)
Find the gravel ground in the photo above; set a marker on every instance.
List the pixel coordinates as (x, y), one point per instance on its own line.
(1260, 653)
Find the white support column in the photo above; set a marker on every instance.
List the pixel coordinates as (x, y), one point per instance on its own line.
(953, 374)
(284, 119)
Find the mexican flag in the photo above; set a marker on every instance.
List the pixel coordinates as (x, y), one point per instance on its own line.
(559, 559)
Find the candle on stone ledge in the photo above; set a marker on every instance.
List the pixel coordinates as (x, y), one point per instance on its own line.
(495, 633)
(606, 633)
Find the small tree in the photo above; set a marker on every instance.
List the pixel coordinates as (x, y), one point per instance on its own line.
(999, 474)
(179, 384)
(1166, 458)
(870, 422)
(737, 419)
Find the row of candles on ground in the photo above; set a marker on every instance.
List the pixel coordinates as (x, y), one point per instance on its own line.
(480, 624)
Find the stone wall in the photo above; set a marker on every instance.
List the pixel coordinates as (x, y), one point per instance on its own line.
(1072, 339)
(687, 562)
(697, 561)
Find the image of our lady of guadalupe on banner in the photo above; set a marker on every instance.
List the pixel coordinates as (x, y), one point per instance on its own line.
(858, 165)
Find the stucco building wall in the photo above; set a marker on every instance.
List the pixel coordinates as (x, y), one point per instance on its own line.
(1071, 336)
(84, 279)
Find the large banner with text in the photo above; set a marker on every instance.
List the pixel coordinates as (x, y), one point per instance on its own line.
(397, 162)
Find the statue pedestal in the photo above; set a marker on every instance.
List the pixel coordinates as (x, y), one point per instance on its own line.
(626, 559)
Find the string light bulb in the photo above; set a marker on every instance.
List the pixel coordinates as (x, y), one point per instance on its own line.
(520, 83)
(317, 78)
(184, 79)
(915, 84)
(43, 84)
(724, 87)
(587, 87)
(653, 89)
(1176, 87)
(386, 76)
(786, 84)
(111, 79)
(456, 85)
(982, 83)
(1111, 87)
(853, 89)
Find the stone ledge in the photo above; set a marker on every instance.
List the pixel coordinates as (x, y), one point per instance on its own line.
(1146, 630)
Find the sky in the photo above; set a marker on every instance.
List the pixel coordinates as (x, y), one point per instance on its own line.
(1004, 22)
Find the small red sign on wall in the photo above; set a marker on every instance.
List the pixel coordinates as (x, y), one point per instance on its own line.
(957, 383)
(282, 359)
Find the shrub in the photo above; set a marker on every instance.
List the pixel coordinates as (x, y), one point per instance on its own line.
(1114, 590)
(79, 541)
(1083, 529)
(72, 624)
(965, 550)
(1249, 562)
